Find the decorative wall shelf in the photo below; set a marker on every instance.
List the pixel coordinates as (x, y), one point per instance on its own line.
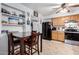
(11, 25)
(11, 17)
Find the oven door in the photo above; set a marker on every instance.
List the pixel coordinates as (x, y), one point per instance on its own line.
(72, 38)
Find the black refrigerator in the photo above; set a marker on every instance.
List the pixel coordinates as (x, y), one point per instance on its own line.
(46, 31)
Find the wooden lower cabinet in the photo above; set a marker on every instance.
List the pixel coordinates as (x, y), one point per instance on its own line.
(60, 36)
(54, 35)
(57, 35)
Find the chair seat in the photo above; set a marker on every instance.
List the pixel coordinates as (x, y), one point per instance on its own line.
(16, 42)
(29, 43)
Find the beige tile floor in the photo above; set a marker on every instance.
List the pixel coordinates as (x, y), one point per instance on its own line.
(58, 48)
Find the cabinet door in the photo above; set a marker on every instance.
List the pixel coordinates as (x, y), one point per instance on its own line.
(58, 21)
(55, 22)
(61, 21)
(77, 17)
(54, 35)
(61, 36)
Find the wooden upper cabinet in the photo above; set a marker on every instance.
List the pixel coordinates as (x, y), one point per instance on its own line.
(74, 17)
(55, 22)
(58, 21)
(77, 17)
(61, 21)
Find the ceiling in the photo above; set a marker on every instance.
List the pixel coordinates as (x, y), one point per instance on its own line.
(43, 8)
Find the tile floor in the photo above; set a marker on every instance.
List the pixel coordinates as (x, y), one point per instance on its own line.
(51, 47)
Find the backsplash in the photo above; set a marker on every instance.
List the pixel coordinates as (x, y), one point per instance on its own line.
(72, 25)
(60, 28)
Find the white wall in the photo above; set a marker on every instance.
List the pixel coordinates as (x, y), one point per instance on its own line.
(47, 20)
(0, 18)
(37, 25)
(40, 23)
(4, 44)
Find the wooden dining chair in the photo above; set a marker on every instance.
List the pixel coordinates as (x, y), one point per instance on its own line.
(13, 45)
(32, 44)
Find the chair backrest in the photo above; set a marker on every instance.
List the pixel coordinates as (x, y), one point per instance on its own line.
(34, 37)
(10, 41)
(10, 38)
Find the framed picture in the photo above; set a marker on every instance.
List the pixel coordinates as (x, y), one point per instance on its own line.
(35, 13)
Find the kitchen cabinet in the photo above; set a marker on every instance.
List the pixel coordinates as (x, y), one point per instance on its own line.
(77, 17)
(60, 22)
(54, 35)
(60, 36)
(57, 35)
(73, 17)
(55, 22)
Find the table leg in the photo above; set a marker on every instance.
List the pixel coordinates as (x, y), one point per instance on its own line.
(22, 46)
(41, 43)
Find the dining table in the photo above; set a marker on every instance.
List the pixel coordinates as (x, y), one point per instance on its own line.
(23, 36)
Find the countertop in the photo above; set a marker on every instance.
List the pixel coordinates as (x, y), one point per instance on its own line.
(57, 31)
(65, 31)
(72, 32)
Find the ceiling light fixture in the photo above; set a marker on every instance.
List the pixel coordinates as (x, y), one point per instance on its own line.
(64, 10)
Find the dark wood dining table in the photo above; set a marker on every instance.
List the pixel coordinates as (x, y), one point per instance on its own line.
(24, 36)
